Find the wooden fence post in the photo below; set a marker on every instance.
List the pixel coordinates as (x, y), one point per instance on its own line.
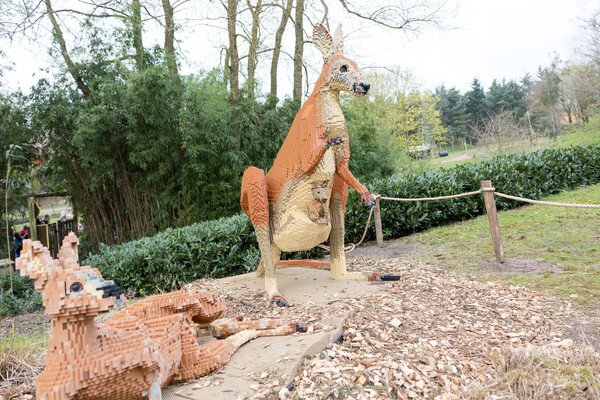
(378, 228)
(490, 207)
(31, 209)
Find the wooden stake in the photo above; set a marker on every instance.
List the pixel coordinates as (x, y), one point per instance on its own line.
(32, 221)
(490, 207)
(378, 228)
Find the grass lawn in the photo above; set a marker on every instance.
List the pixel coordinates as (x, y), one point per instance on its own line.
(565, 238)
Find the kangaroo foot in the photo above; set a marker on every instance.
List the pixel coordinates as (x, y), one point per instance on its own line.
(350, 276)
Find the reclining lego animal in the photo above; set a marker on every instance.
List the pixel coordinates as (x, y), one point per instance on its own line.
(138, 350)
(283, 205)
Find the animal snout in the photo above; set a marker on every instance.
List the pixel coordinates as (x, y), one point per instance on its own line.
(323, 200)
(110, 289)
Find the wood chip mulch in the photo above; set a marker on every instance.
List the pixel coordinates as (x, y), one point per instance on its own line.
(431, 335)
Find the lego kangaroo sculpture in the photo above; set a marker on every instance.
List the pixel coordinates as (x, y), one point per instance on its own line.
(138, 350)
(307, 187)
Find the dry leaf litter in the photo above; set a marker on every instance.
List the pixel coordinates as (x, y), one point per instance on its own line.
(432, 335)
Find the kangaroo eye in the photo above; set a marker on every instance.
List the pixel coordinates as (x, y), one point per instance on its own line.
(76, 287)
(344, 68)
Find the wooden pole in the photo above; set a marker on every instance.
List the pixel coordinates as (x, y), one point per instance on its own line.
(32, 221)
(378, 228)
(490, 207)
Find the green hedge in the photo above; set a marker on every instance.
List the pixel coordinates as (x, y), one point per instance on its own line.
(530, 175)
(168, 260)
(228, 246)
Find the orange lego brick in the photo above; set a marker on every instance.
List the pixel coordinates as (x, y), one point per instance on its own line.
(141, 348)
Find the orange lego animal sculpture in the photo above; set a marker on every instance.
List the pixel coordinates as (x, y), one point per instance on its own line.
(138, 350)
(307, 186)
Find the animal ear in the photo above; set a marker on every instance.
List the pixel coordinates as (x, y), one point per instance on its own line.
(68, 254)
(34, 262)
(323, 40)
(338, 40)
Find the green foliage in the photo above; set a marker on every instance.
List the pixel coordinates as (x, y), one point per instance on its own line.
(15, 155)
(24, 299)
(475, 104)
(168, 260)
(372, 151)
(453, 112)
(529, 175)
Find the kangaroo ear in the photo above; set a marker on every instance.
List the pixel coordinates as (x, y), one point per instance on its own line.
(68, 254)
(323, 40)
(338, 40)
(34, 262)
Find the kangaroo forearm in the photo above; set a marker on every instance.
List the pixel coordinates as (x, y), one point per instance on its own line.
(350, 180)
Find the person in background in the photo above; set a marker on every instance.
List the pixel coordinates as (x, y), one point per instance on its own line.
(19, 242)
(46, 219)
(24, 233)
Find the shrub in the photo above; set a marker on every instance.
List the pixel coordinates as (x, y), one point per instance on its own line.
(530, 175)
(168, 260)
(228, 246)
(24, 298)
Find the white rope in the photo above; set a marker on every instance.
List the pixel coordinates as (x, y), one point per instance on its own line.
(454, 196)
(547, 203)
(353, 246)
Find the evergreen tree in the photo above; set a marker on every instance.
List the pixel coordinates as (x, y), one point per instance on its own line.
(453, 112)
(475, 104)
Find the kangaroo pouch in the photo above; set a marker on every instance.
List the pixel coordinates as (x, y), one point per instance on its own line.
(300, 218)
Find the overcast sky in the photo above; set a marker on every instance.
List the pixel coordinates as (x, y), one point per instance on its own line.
(489, 39)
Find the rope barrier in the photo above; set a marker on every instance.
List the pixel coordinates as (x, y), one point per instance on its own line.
(454, 196)
(353, 246)
(547, 203)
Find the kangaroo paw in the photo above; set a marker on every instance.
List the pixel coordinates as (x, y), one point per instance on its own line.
(351, 276)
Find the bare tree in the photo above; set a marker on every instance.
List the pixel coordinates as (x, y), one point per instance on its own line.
(299, 48)
(285, 15)
(254, 42)
(499, 132)
(64, 52)
(579, 90)
(170, 36)
(138, 42)
(232, 53)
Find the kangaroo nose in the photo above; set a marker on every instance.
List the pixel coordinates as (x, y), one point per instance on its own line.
(110, 289)
(365, 87)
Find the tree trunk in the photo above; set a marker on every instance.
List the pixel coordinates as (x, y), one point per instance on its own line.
(170, 36)
(234, 59)
(255, 11)
(298, 52)
(277, 49)
(63, 50)
(138, 44)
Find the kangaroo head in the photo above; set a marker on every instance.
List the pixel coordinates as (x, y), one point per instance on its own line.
(67, 289)
(340, 73)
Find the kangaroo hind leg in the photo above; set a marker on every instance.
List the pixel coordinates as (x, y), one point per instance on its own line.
(255, 203)
(337, 206)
